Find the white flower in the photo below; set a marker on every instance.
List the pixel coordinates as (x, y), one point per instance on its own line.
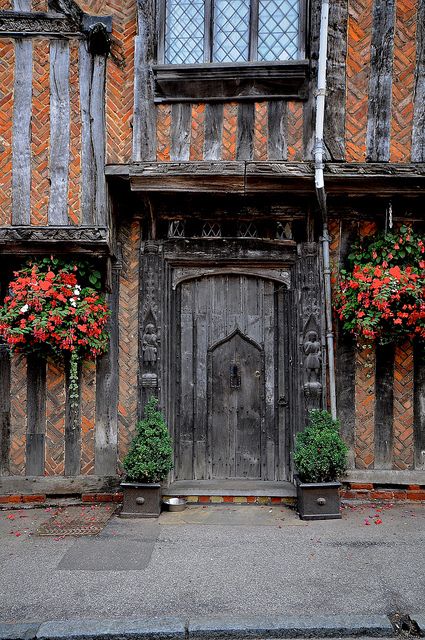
(77, 291)
(72, 302)
(24, 309)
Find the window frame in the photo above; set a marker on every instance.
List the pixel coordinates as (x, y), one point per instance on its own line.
(230, 81)
(253, 35)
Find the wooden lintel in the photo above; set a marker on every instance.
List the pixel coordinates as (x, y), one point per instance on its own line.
(22, 23)
(357, 179)
(26, 239)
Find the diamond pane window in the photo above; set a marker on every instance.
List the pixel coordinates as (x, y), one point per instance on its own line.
(223, 31)
(231, 30)
(184, 33)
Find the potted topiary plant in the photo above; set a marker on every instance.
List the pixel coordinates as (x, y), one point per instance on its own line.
(147, 462)
(320, 457)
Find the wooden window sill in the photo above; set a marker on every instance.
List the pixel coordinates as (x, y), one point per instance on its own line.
(218, 82)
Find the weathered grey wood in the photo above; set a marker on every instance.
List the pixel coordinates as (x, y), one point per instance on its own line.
(346, 352)
(22, 5)
(21, 145)
(245, 134)
(181, 115)
(57, 485)
(59, 132)
(17, 24)
(419, 404)
(277, 142)
(418, 134)
(336, 79)
(36, 411)
(69, 8)
(384, 396)
(106, 436)
(213, 131)
(236, 412)
(220, 316)
(310, 104)
(87, 160)
(380, 84)
(4, 410)
(235, 82)
(98, 132)
(144, 122)
(72, 430)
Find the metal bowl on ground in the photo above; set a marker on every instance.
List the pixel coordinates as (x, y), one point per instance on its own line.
(175, 504)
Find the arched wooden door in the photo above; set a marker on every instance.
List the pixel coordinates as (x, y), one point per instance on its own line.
(235, 382)
(230, 379)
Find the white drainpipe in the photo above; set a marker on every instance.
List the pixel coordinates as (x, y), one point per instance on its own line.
(319, 157)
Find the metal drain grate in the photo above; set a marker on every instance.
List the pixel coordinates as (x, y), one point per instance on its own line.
(77, 521)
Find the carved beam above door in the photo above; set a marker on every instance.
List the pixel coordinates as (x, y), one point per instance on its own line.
(358, 179)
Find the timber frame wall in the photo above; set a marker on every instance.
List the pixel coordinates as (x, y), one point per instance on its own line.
(81, 112)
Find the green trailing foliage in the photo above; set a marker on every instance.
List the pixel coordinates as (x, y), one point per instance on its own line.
(320, 454)
(150, 457)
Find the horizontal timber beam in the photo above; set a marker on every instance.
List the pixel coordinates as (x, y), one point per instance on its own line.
(60, 485)
(24, 240)
(373, 179)
(24, 23)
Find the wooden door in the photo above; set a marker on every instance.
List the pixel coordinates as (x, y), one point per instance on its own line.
(230, 377)
(235, 402)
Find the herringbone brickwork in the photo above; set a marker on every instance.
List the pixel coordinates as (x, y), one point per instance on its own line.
(365, 390)
(403, 443)
(403, 80)
(365, 406)
(7, 65)
(18, 414)
(295, 130)
(40, 132)
(163, 132)
(120, 75)
(129, 237)
(5, 5)
(358, 72)
(230, 127)
(74, 178)
(55, 420)
(260, 131)
(88, 417)
(198, 132)
(39, 5)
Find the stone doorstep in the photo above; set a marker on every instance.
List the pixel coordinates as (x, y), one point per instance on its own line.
(221, 492)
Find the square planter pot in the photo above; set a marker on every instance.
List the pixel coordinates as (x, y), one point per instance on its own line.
(141, 500)
(318, 500)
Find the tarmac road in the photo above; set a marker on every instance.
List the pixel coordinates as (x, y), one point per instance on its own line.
(216, 563)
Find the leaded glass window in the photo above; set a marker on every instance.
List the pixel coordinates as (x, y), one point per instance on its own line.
(223, 31)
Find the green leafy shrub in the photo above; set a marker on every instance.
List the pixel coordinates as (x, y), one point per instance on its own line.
(150, 457)
(320, 454)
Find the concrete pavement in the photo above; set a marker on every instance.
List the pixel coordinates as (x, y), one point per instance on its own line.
(206, 566)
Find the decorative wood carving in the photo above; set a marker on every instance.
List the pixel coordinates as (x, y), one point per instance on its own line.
(181, 274)
(45, 24)
(151, 312)
(311, 338)
(50, 235)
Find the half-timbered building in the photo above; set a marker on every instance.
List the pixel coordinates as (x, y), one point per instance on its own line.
(178, 143)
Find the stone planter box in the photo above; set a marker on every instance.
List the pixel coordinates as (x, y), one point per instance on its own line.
(318, 500)
(141, 500)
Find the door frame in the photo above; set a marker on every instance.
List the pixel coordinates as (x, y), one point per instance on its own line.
(165, 264)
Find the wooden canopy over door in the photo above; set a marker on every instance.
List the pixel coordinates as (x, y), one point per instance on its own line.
(231, 353)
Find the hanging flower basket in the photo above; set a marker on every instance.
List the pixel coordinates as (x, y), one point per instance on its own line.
(55, 308)
(382, 296)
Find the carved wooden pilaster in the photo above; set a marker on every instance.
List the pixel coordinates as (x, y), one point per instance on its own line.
(310, 338)
(150, 322)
